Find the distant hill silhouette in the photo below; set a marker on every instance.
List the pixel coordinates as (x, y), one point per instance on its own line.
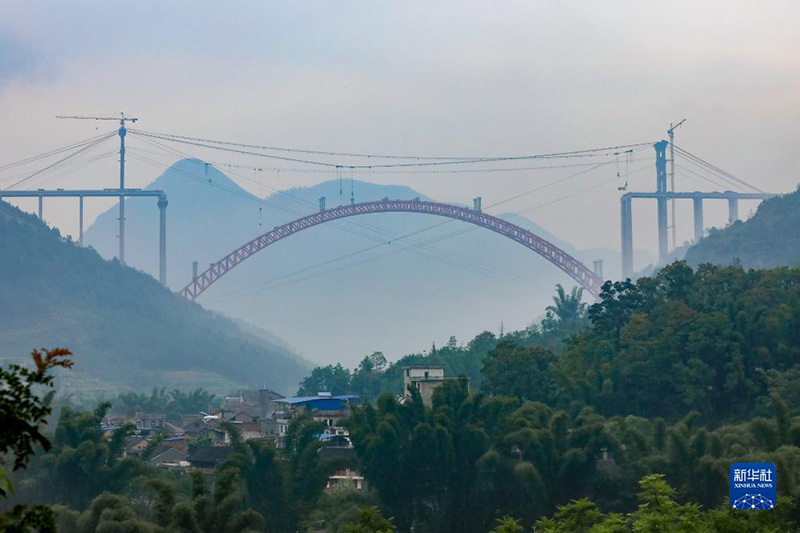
(124, 328)
(771, 238)
(351, 307)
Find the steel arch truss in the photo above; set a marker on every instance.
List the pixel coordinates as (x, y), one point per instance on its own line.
(574, 268)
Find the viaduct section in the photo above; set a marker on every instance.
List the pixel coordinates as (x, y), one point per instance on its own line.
(661, 196)
(41, 194)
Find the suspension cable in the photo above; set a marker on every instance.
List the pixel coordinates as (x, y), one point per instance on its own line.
(89, 146)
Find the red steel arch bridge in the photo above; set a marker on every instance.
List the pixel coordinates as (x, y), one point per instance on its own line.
(574, 268)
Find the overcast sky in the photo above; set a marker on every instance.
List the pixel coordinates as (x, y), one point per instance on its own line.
(471, 78)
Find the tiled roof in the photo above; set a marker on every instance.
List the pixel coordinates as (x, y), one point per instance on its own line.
(211, 454)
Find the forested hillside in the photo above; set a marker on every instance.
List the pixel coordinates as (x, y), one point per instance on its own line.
(771, 238)
(123, 326)
(632, 425)
(675, 378)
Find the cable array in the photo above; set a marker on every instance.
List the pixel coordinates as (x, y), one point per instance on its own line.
(423, 161)
(378, 235)
(726, 176)
(445, 159)
(77, 148)
(378, 163)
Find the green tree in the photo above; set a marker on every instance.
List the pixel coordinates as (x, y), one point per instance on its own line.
(507, 524)
(617, 301)
(331, 378)
(370, 520)
(367, 378)
(22, 413)
(520, 371)
(568, 311)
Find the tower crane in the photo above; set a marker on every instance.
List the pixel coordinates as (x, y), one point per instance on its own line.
(122, 132)
(671, 133)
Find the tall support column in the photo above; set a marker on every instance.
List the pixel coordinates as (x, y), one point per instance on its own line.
(162, 241)
(663, 247)
(122, 132)
(733, 210)
(661, 187)
(698, 218)
(597, 267)
(80, 220)
(41, 200)
(627, 237)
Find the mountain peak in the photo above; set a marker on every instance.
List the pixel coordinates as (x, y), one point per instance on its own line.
(191, 175)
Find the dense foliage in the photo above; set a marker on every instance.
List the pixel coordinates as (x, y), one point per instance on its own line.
(658, 511)
(630, 424)
(174, 404)
(713, 340)
(129, 330)
(22, 412)
(258, 488)
(473, 458)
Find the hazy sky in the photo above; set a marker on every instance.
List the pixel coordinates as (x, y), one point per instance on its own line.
(471, 78)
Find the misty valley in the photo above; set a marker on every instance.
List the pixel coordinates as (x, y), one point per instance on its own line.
(418, 267)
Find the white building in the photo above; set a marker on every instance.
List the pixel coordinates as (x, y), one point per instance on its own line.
(424, 378)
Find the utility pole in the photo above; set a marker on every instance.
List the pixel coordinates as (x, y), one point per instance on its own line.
(122, 132)
(671, 133)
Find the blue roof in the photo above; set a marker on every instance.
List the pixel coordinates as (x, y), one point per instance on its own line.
(305, 399)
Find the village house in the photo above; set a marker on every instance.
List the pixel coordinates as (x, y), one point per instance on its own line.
(339, 448)
(206, 459)
(146, 423)
(149, 422)
(168, 456)
(260, 404)
(134, 446)
(323, 407)
(207, 425)
(346, 478)
(424, 378)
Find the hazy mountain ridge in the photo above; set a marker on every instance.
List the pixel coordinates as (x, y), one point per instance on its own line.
(770, 238)
(125, 329)
(476, 280)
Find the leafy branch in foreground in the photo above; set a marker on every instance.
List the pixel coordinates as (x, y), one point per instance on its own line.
(21, 410)
(22, 413)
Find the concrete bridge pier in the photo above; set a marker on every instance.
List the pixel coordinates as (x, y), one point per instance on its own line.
(627, 237)
(733, 210)
(698, 218)
(162, 241)
(80, 221)
(663, 243)
(661, 187)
